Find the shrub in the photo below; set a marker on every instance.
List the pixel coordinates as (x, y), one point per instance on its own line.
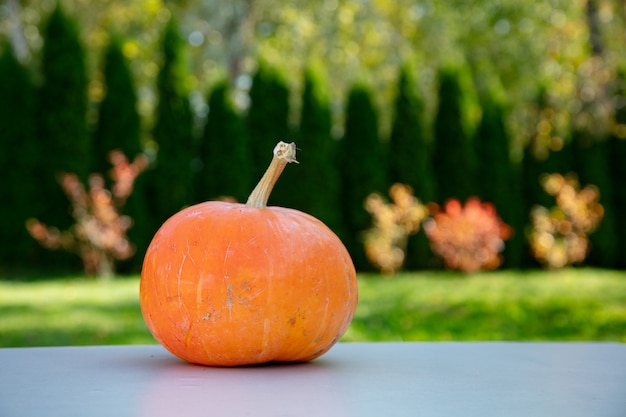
(99, 233)
(559, 235)
(468, 238)
(386, 242)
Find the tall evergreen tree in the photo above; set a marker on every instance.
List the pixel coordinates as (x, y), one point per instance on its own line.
(19, 159)
(497, 177)
(62, 118)
(363, 168)
(171, 180)
(119, 123)
(408, 145)
(119, 127)
(315, 183)
(410, 157)
(267, 122)
(453, 154)
(224, 150)
(592, 154)
(618, 168)
(545, 153)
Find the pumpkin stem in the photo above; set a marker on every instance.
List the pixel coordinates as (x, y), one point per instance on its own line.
(283, 154)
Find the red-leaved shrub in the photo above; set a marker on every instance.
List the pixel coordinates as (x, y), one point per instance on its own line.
(468, 238)
(98, 235)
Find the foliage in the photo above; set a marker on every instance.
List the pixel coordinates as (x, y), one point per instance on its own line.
(570, 304)
(99, 234)
(468, 238)
(119, 123)
(224, 150)
(62, 119)
(408, 139)
(453, 154)
(411, 149)
(592, 167)
(572, 52)
(393, 223)
(119, 126)
(559, 235)
(19, 158)
(617, 156)
(546, 151)
(317, 177)
(363, 167)
(267, 121)
(171, 179)
(497, 176)
(522, 41)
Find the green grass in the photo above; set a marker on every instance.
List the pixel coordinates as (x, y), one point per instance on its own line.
(71, 312)
(575, 304)
(566, 305)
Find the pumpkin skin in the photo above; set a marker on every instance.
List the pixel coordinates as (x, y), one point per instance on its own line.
(225, 284)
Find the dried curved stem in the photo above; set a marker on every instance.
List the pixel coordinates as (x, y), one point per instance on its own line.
(284, 153)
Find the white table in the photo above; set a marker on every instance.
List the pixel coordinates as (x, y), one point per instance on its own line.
(358, 379)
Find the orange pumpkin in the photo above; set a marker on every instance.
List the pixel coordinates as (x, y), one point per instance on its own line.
(228, 284)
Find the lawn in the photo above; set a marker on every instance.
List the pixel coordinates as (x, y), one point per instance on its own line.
(574, 304)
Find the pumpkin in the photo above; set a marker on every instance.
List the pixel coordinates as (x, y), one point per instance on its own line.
(228, 284)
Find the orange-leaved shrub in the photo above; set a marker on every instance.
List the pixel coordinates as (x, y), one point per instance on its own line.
(468, 238)
(99, 234)
(393, 223)
(559, 235)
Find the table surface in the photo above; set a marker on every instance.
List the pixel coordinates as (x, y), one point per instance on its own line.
(353, 379)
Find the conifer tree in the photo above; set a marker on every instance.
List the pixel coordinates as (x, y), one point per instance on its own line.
(546, 153)
(410, 162)
(19, 160)
(171, 180)
(592, 154)
(119, 123)
(119, 127)
(497, 177)
(618, 168)
(267, 122)
(62, 118)
(453, 154)
(363, 168)
(408, 141)
(224, 150)
(316, 178)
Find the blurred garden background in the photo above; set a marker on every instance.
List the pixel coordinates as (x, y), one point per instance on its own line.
(471, 155)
